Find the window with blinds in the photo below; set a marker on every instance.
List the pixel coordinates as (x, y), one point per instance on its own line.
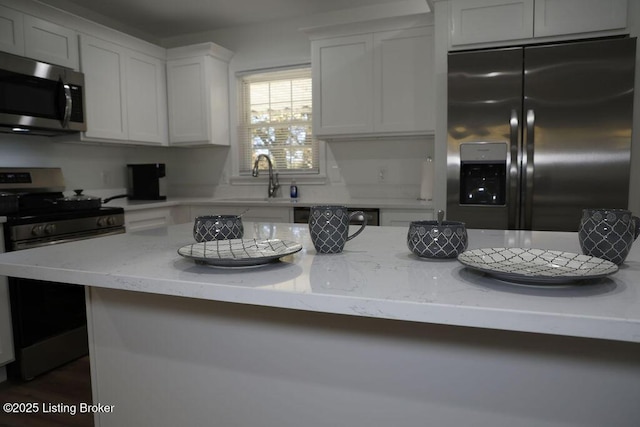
(276, 121)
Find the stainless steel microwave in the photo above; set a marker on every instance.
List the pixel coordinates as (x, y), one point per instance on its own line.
(39, 98)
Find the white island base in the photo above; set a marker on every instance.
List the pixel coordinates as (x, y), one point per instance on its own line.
(176, 361)
(371, 337)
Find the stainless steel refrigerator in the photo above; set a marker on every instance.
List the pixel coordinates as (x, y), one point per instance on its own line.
(538, 133)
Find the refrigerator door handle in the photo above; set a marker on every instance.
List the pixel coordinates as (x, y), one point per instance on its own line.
(527, 171)
(513, 199)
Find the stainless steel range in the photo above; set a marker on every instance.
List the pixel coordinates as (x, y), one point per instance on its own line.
(49, 319)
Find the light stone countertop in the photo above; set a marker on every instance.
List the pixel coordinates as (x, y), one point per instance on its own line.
(376, 276)
(383, 203)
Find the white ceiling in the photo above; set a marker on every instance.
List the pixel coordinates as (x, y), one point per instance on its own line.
(168, 18)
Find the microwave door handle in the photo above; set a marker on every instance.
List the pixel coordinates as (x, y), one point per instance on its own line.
(68, 104)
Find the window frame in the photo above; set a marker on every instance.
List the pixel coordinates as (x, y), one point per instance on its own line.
(238, 177)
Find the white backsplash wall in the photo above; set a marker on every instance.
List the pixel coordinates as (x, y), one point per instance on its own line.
(381, 168)
(103, 167)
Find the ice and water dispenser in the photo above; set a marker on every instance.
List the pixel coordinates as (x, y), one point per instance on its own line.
(483, 173)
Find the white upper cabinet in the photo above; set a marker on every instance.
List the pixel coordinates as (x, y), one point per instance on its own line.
(478, 21)
(125, 94)
(198, 93)
(486, 21)
(404, 76)
(103, 68)
(11, 31)
(553, 17)
(48, 42)
(146, 97)
(35, 38)
(342, 80)
(378, 83)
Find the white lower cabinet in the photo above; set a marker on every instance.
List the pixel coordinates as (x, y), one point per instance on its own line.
(403, 217)
(125, 94)
(145, 219)
(6, 334)
(250, 213)
(142, 219)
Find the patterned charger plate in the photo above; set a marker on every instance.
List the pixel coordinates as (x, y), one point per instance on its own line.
(239, 252)
(536, 265)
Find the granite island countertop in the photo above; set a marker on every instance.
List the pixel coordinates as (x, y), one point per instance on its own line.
(376, 276)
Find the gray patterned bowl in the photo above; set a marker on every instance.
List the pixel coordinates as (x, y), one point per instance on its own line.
(429, 239)
(608, 233)
(217, 227)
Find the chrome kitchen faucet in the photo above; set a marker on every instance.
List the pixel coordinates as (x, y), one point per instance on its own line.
(273, 178)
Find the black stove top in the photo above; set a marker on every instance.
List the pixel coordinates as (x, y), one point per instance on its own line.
(44, 207)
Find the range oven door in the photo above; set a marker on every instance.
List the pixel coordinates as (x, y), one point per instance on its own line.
(49, 325)
(49, 319)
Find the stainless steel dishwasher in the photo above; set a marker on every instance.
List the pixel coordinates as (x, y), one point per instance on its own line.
(301, 215)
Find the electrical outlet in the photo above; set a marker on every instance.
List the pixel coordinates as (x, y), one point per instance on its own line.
(382, 174)
(106, 177)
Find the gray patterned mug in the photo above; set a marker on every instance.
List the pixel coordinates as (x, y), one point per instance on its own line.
(329, 227)
(435, 239)
(217, 227)
(608, 233)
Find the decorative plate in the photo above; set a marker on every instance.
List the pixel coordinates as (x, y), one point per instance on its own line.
(536, 265)
(239, 252)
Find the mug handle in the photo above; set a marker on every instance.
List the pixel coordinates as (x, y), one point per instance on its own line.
(636, 222)
(364, 223)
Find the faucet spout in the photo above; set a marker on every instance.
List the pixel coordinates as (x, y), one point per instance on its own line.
(273, 178)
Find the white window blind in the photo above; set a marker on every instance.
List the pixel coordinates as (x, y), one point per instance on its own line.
(276, 121)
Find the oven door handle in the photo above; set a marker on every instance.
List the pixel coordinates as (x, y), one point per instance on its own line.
(40, 243)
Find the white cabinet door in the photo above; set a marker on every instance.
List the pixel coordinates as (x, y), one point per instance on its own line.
(483, 21)
(557, 17)
(480, 21)
(48, 42)
(103, 65)
(145, 219)
(6, 334)
(146, 99)
(254, 214)
(403, 217)
(125, 94)
(188, 110)
(342, 85)
(404, 80)
(11, 31)
(198, 92)
(379, 83)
